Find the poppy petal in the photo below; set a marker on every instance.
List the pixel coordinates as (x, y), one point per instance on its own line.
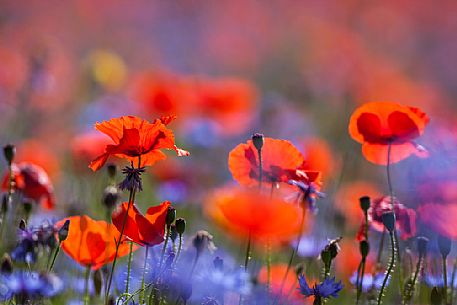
(377, 153)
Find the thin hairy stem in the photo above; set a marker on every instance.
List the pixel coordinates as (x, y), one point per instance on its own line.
(389, 269)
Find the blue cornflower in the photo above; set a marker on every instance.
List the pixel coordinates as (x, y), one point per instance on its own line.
(308, 193)
(29, 285)
(328, 288)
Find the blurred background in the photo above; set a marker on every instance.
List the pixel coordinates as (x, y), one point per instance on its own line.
(289, 69)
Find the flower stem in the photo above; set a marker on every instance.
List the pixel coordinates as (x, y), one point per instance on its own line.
(165, 244)
(56, 252)
(445, 279)
(454, 273)
(409, 289)
(179, 250)
(248, 253)
(389, 269)
(129, 268)
(142, 293)
(86, 285)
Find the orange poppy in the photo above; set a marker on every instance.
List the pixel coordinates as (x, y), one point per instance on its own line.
(87, 146)
(246, 212)
(287, 290)
(145, 230)
(32, 181)
(90, 242)
(440, 218)
(281, 162)
(134, 137)
(378, 124)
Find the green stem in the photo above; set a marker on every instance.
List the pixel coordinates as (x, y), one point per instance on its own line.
(142, 294)
(268, 266)
(55, 256)
(381, 246)
(454, 272)
(445, 279)
(165, 244)
(129, 268)
(248, 253)
(389, 269)
(259, 152)
(409, 290)
(179, 250)
(86, 286)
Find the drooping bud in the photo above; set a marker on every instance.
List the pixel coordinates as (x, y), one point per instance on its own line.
(97, 279)
(112, 170)
(110, 196)
(365, 203)
(63, 231)
(364, 248)
(333, 247)
(388, 219)
(218, 263)
(436, 297)
(422, 243)
(171, 216)
(6, 264)
(257, 140)
(444, 244)
(180, 225)
(9, 151)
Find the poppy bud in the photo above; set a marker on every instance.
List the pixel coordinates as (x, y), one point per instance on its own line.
(63, 231)
(365, 203)
(5, 203)
(257, 140)
(299, 269)
(22, 225)
(51, 242)
(110, 196)
(436, 298)
(444, 244)
(180, 225)
(97, 279)
(422, 245)
(9, 151)
(218, 263)
(171, 216)
(6, 264)
(173, 233)
(111, 169)
(388, 219)
(326, 257)
(364, 248)
(27, 205)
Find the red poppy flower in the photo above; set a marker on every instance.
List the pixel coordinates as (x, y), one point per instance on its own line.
(405, 218)
(148, 229)
(281, 162)
(90, 242)
(440, 218)
(378, 124)
(33, 182)
(87, 146)
(134, 137)
(245, 212)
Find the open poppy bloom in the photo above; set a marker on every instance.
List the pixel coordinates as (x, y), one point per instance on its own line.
(440, 217)
(32, 181)
(134, 137)
(145, 230)
(245, 212)
(405, 218)
(90, 242)
(379, 124)
(281, 162)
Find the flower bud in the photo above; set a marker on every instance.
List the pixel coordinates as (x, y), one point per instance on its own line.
(364, 248)
(326, 257)
(110, 196)
(388, 219)
(97, 279)
(112, 170)
(422, 245)
(257, 140)
(6, 264)
(180, 225)
(22, 225)
(444, 244)
(218, 263)
(365, 203)
(171, 216)
(9, 151)
(202, 240)
(436, 298)
(173, 233)
(63, 231)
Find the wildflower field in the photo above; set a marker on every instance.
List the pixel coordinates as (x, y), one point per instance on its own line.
(236, 152)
